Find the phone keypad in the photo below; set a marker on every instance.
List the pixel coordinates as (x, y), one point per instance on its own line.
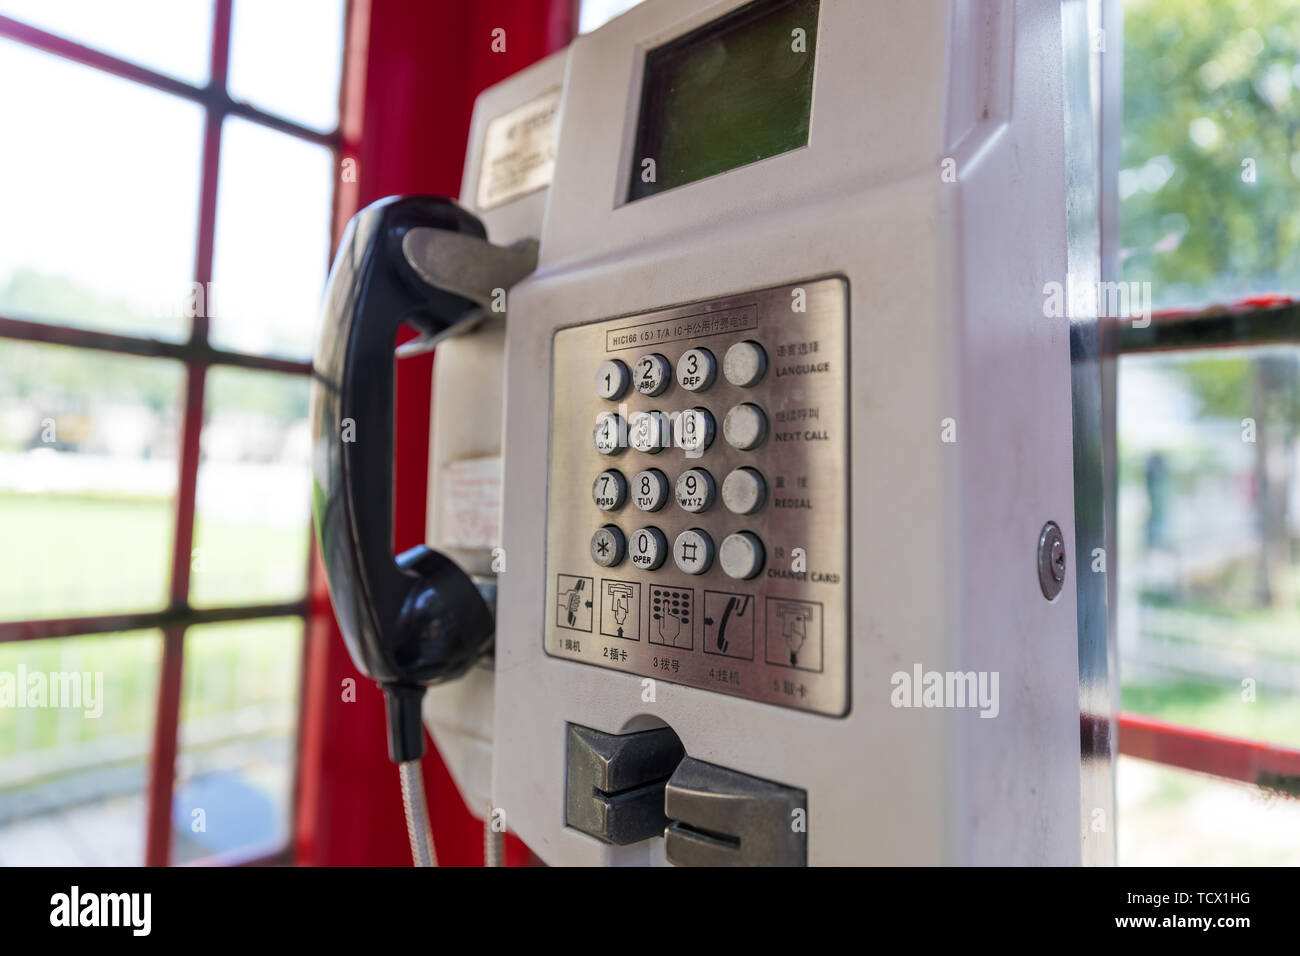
(728, 507)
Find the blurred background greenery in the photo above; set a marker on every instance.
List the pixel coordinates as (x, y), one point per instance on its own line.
(1208, 576)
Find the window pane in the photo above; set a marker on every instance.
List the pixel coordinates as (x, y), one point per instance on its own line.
(273, 240)
(74, 762)
(88, 464)
(235, 766)
(1209, 536)
(593, 14)
(286, 58)
(100, 205)
(1210, 180)
(170, 36)
(1173, 817)
(254, 490)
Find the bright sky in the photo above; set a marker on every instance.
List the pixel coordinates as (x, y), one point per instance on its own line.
(99, 177)
(596, 13)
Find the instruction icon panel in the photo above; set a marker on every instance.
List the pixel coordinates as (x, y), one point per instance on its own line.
(672, 616)
(794, 634)
(620, 609)
(729, 624)
(573, 601)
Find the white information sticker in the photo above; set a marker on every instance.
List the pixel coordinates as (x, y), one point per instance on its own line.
(519, 151)
(471, 503)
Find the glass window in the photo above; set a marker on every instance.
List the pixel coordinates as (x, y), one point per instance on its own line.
(273, 241)
(594, 14)
(286, 58)
(254, 493)
(1173, 817)
(1211, 161)
(74, 760)
(100, 217)
(234, 768)
(100, 191)
(169, 36)
(88, 465)
(1209, 537)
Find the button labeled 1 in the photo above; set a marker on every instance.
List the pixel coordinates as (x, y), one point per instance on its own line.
(612, 379)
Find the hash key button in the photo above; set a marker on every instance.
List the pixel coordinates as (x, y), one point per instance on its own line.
(693, 551)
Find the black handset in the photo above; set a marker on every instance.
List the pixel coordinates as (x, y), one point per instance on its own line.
(416, 619)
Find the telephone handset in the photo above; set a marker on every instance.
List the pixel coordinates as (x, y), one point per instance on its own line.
(417, 619)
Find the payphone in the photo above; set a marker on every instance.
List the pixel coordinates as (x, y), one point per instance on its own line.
(761, 456)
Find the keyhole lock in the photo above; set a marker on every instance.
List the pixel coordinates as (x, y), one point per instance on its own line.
(1051, 560)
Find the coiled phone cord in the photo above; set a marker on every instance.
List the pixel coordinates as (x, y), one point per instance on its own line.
(417, 814)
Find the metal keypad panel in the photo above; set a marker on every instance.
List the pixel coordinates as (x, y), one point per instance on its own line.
(697, 522)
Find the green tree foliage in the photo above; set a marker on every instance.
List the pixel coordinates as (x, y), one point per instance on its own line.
(1211, 101)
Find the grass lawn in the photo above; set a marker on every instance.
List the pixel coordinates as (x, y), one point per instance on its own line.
(69, 556)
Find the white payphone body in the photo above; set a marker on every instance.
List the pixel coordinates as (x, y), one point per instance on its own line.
(785, 426)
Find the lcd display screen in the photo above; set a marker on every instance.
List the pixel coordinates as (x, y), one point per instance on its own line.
(733, 92)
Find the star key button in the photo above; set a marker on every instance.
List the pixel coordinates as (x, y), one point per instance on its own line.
(608, 546)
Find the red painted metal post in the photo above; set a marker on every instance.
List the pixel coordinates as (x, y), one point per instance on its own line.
(1251, 761)
(162, 769)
